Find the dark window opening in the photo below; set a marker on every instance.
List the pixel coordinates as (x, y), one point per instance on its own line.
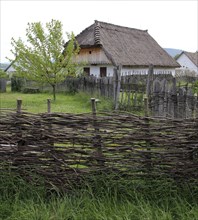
(87, 71)
(89, 52)
(103, 71)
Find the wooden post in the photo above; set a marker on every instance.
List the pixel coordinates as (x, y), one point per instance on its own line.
(146, 107)
(48, 105)
(117, 80)
(21, 141)
(148, 147)
(51, 143)
(149, 86)
(174, 95)
(19, 105)
(97, 142)
(93, 106)
(196, 107)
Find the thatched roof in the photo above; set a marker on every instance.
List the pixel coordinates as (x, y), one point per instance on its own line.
(125, 46)
(192, 56)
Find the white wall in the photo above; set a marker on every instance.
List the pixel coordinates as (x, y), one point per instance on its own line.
(185, 62)
(95, 70)
(133, 71)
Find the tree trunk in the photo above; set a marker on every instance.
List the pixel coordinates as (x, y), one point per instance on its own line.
(54, 92)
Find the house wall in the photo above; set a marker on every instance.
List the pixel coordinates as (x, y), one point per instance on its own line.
(185, 62)
(92, 56)
(95, 70)
(133, 71)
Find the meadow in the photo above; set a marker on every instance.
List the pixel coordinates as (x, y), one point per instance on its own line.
(104, 197)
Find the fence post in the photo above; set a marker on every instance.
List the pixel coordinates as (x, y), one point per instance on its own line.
(148, 159)
(117, 80)
(20, 142)
(196, 107)
(146, 107)
(149, 87)
(174, 96)
(48, 105)
(19, 105)
(93, 106)
(97, 143)
(149, 83)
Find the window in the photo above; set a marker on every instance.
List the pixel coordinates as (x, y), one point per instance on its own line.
(87, 71)
(103, 71)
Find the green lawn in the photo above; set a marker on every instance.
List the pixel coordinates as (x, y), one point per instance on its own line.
(37, 103)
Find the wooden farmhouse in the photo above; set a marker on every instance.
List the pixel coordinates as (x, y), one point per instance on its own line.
(105, 46)
(188, 61)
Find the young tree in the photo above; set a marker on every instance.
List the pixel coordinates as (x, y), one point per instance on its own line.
(42, 58)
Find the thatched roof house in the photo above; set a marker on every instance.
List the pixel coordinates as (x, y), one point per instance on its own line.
(188, 60)
(105, 45)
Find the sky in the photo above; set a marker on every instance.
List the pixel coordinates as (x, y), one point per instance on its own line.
(173, 24)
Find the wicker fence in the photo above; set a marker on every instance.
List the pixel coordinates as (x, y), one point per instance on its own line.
(66, 147)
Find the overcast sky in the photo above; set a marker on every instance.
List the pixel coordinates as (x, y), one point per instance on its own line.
(173, 24)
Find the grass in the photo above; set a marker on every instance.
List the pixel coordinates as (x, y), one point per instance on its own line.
(101, 198)
(37, 103)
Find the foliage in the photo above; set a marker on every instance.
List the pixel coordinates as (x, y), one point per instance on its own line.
(17, 83)
(71, 85)
(195, 87)
(3, 74)
(43, 58)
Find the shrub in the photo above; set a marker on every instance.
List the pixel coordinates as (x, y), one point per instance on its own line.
(17, 84)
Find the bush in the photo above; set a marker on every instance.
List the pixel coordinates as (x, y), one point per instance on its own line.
(31, 90)
(72, 85)
(17, 84)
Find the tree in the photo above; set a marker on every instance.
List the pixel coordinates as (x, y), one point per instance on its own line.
(43, 58)
(3, 74)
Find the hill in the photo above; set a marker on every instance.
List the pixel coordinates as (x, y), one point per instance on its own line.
(4, 65)
(173, 52)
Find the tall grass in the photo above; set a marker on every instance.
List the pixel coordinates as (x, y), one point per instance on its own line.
(102, 197)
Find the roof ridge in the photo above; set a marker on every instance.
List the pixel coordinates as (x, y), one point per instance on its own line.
(97, 33)
(119, 26)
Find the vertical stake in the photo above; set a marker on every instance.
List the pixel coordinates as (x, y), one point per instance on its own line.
(145, 107)
(48, 105)
(93, 106)
(19, 104)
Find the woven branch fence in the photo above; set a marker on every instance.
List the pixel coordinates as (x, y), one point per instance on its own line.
(67, 147)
